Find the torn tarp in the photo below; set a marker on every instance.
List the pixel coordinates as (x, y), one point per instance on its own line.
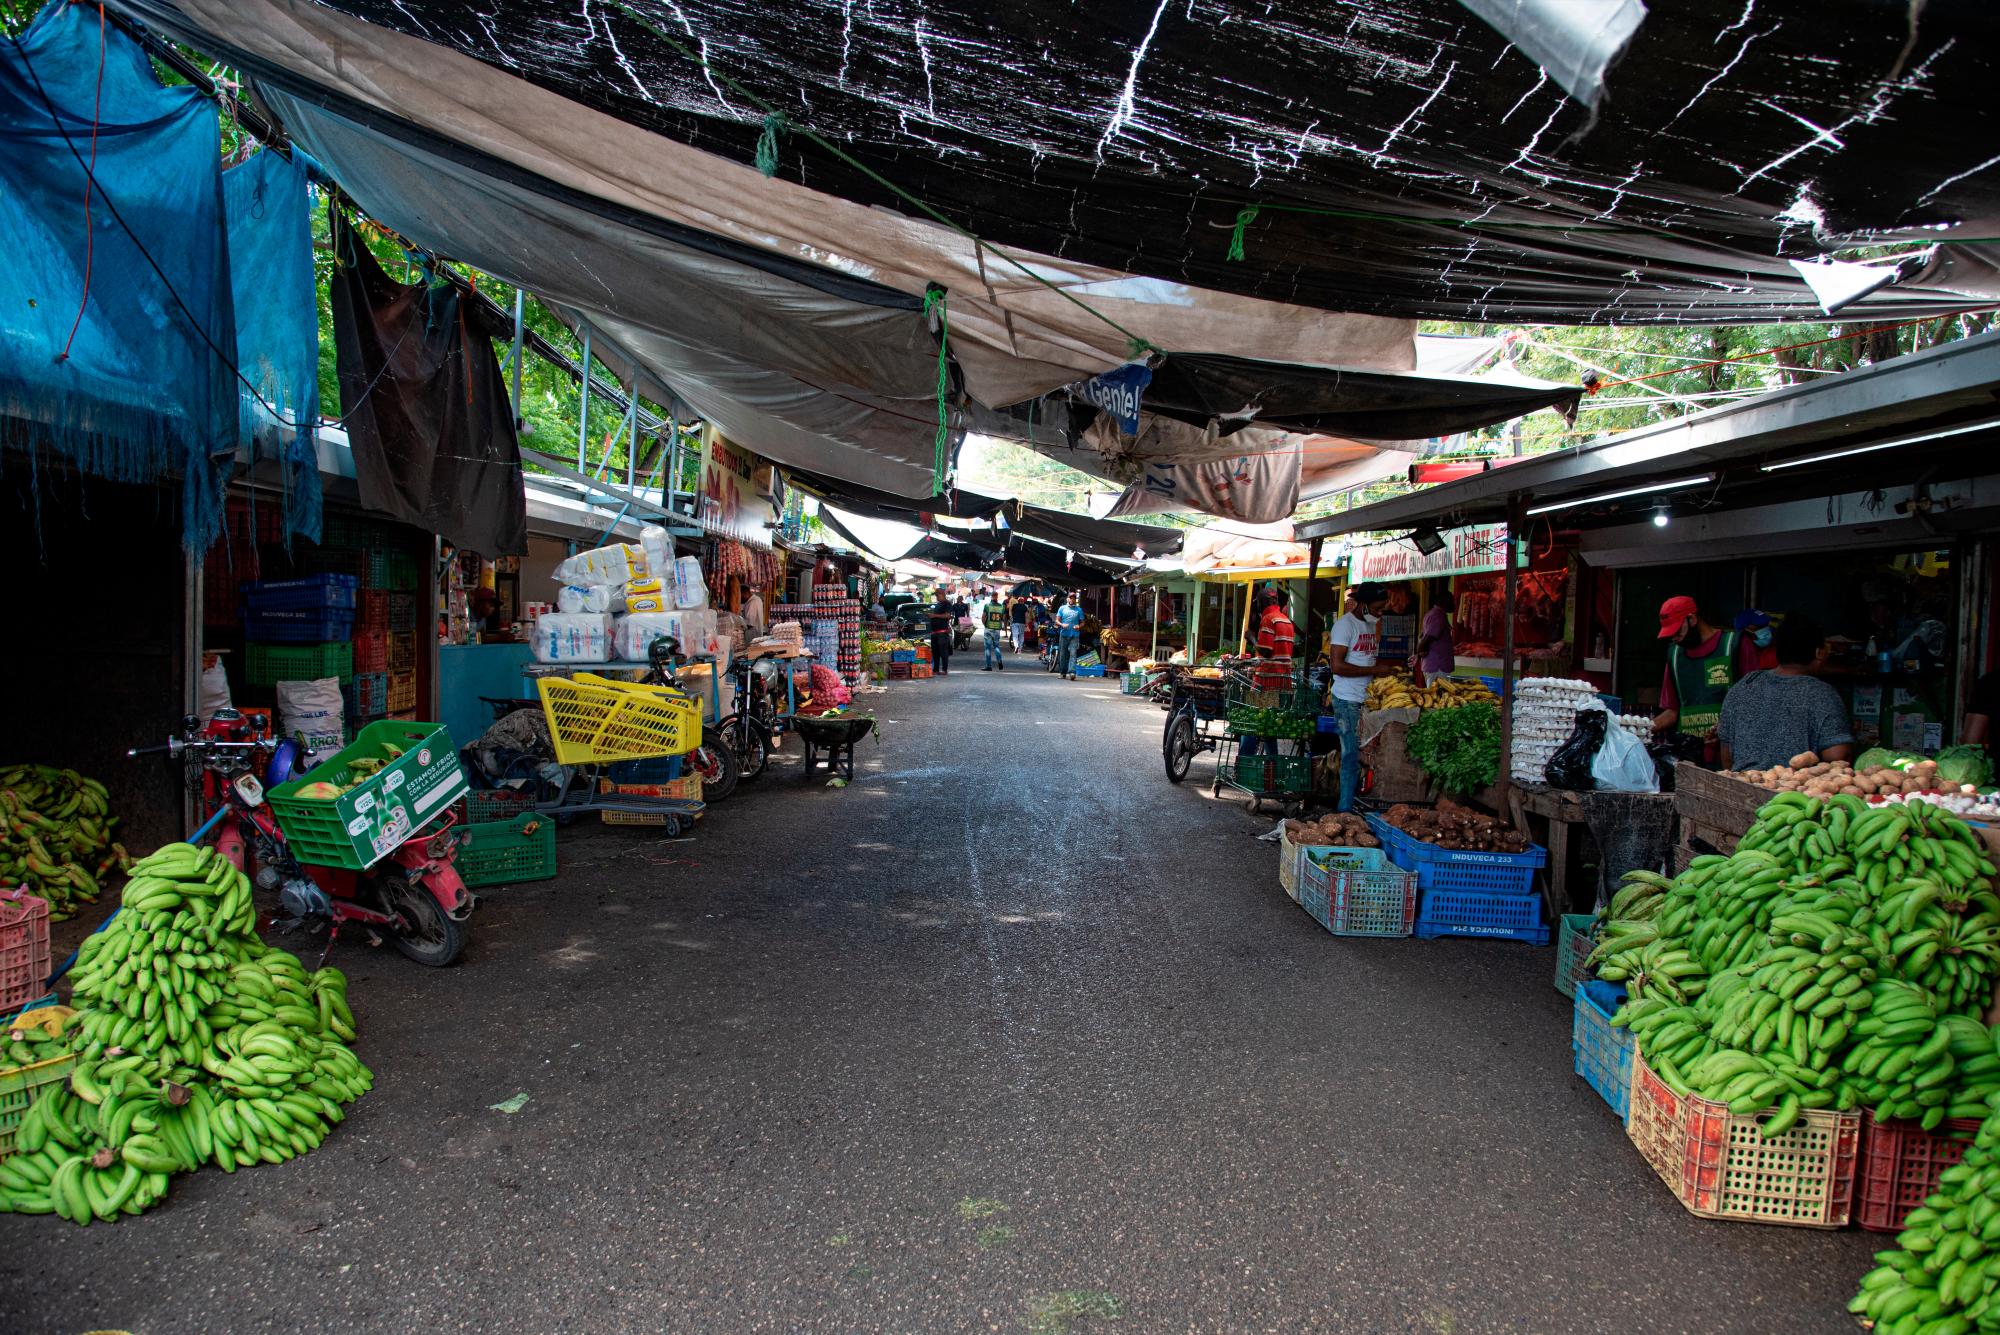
(426, 409)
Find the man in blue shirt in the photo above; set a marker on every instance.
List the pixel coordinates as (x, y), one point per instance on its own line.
(1069, 627)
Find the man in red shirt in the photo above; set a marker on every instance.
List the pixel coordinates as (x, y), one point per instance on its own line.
(1703, 662)
(1277, 638)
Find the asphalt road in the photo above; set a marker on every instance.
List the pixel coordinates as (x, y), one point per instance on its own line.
(1010, 1035)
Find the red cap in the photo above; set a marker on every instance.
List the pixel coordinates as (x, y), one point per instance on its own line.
(1673, 612)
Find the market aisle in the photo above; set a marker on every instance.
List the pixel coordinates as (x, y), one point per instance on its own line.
(1008, 1033)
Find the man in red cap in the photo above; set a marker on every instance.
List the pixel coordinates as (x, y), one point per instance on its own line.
(1702, 664)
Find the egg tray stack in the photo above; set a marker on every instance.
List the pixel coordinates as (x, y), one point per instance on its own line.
(835, 602)
(1544, 716)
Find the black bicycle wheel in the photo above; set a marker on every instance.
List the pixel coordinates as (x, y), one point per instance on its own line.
(715, 761)
(751, 744)
(1178, 746)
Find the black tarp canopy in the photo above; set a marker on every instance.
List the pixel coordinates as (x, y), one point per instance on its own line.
(1401, 157)
(1076, 533)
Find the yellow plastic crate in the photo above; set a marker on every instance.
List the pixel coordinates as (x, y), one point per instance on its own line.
(593, 718)
(20, 1086)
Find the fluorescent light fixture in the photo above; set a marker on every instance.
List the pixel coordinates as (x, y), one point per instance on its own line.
(1872, 446)
(1674, 484)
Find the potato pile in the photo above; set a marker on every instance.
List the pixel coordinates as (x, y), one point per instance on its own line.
(1338, 830)
(1449, 825)
(1808, 774)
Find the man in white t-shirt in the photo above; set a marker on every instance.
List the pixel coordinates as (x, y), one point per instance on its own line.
(1352, 652)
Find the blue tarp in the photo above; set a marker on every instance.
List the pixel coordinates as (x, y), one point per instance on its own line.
(277, 323)
(119, 333)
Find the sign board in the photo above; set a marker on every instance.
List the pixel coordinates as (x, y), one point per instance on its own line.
(730, 506)
(1473, 550)
(1117, 392)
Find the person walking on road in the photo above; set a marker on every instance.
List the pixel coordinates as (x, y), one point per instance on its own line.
(1017, 619)
(1355, 643)
(941, 620)
(1069, 632)
(993, 618)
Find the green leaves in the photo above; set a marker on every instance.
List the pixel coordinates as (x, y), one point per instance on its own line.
(1459, 747)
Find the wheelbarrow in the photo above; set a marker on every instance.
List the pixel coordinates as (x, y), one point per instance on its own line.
(835, 736)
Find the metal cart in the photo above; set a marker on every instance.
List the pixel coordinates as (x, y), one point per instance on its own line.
(595, 723)
(1283, 719)
(1194, 705)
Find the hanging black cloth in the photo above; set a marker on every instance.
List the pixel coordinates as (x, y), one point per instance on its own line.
(425, 406)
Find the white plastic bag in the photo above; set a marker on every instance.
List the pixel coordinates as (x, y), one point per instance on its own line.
(632, 635)
(214, 690)
(1621, 764)
(616, 564)
(659, 549)
(690, 590)
(313, 710)
(584, 598)
(572, 637)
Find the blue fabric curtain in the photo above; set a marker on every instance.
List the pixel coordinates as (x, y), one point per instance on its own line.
(142, 390)
(277, 324)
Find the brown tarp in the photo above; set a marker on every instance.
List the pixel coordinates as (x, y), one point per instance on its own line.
(426, 408)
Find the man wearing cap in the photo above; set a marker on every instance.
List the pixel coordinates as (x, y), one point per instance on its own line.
(1352, 650)
(1702, 664)
(1761, 653)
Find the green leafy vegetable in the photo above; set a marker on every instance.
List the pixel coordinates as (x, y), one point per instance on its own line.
(1460, 746)
(1965, 763)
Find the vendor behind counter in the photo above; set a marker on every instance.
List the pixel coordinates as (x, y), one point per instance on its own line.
(1773, 715)
(1703, 662)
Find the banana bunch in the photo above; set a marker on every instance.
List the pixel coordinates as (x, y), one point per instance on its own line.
(1640, 896)
(55, 835)
(1942, 1276)
(1797, 1001)
(1936, 914)
(197, 1043)
(1659, 967)
(1914, 1062)
(1400, 692)
(1672, 1037)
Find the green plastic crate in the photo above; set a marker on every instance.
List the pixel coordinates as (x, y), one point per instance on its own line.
(361, 826)
(269, 664)
(1573, 949)
(1273, 774)
(504, 851)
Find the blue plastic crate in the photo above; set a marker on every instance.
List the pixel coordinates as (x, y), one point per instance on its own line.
(1459, 868)
(1095, 670)
(301, 595)
(1494, 684)
(1481, 913)
(305, 626)
(902, 655)
(1328, 723)
(1603, 1054)
(1355, 891)
(659, 769)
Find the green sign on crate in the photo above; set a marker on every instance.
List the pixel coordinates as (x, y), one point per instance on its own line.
(366, 822)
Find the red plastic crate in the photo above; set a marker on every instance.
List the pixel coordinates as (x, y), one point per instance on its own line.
(371, 611)
(1719, 1166)
(371, 651)
(24, 948)
(1900, 1164)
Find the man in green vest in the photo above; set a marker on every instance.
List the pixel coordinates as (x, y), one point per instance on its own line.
(993, 620)
(1702, 664)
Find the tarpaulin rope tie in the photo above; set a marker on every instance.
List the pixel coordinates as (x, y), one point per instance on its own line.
(934, 301)
(89, 184)
(898, 191)
(767, 143)
(1244, 217)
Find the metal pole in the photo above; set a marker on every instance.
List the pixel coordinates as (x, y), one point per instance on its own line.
(519, 311)
(674, 466)
(632, 438)
(1512, 586)
(583, 412)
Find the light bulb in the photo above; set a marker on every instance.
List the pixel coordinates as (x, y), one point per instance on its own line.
(1659, 519)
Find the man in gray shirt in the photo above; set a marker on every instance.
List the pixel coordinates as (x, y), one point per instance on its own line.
(1771, 716)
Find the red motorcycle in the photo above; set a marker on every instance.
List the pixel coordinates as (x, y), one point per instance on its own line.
(413, 897)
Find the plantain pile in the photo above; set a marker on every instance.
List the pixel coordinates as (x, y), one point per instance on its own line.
(1400, 692)
(1943, 1275)
(55, 835)
(197, 1043)
(1838, 959)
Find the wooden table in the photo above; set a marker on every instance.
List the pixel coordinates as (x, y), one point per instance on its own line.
(1560, 811)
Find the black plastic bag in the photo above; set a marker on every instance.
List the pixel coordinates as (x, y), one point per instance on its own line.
(1569, 767)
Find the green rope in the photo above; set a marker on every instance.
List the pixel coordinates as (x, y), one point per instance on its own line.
(767, 143)
(1244, 217)
(934, 301)
(877, 177)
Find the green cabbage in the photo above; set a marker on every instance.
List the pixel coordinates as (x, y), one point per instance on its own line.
(1965, 764)
(1875, 757)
